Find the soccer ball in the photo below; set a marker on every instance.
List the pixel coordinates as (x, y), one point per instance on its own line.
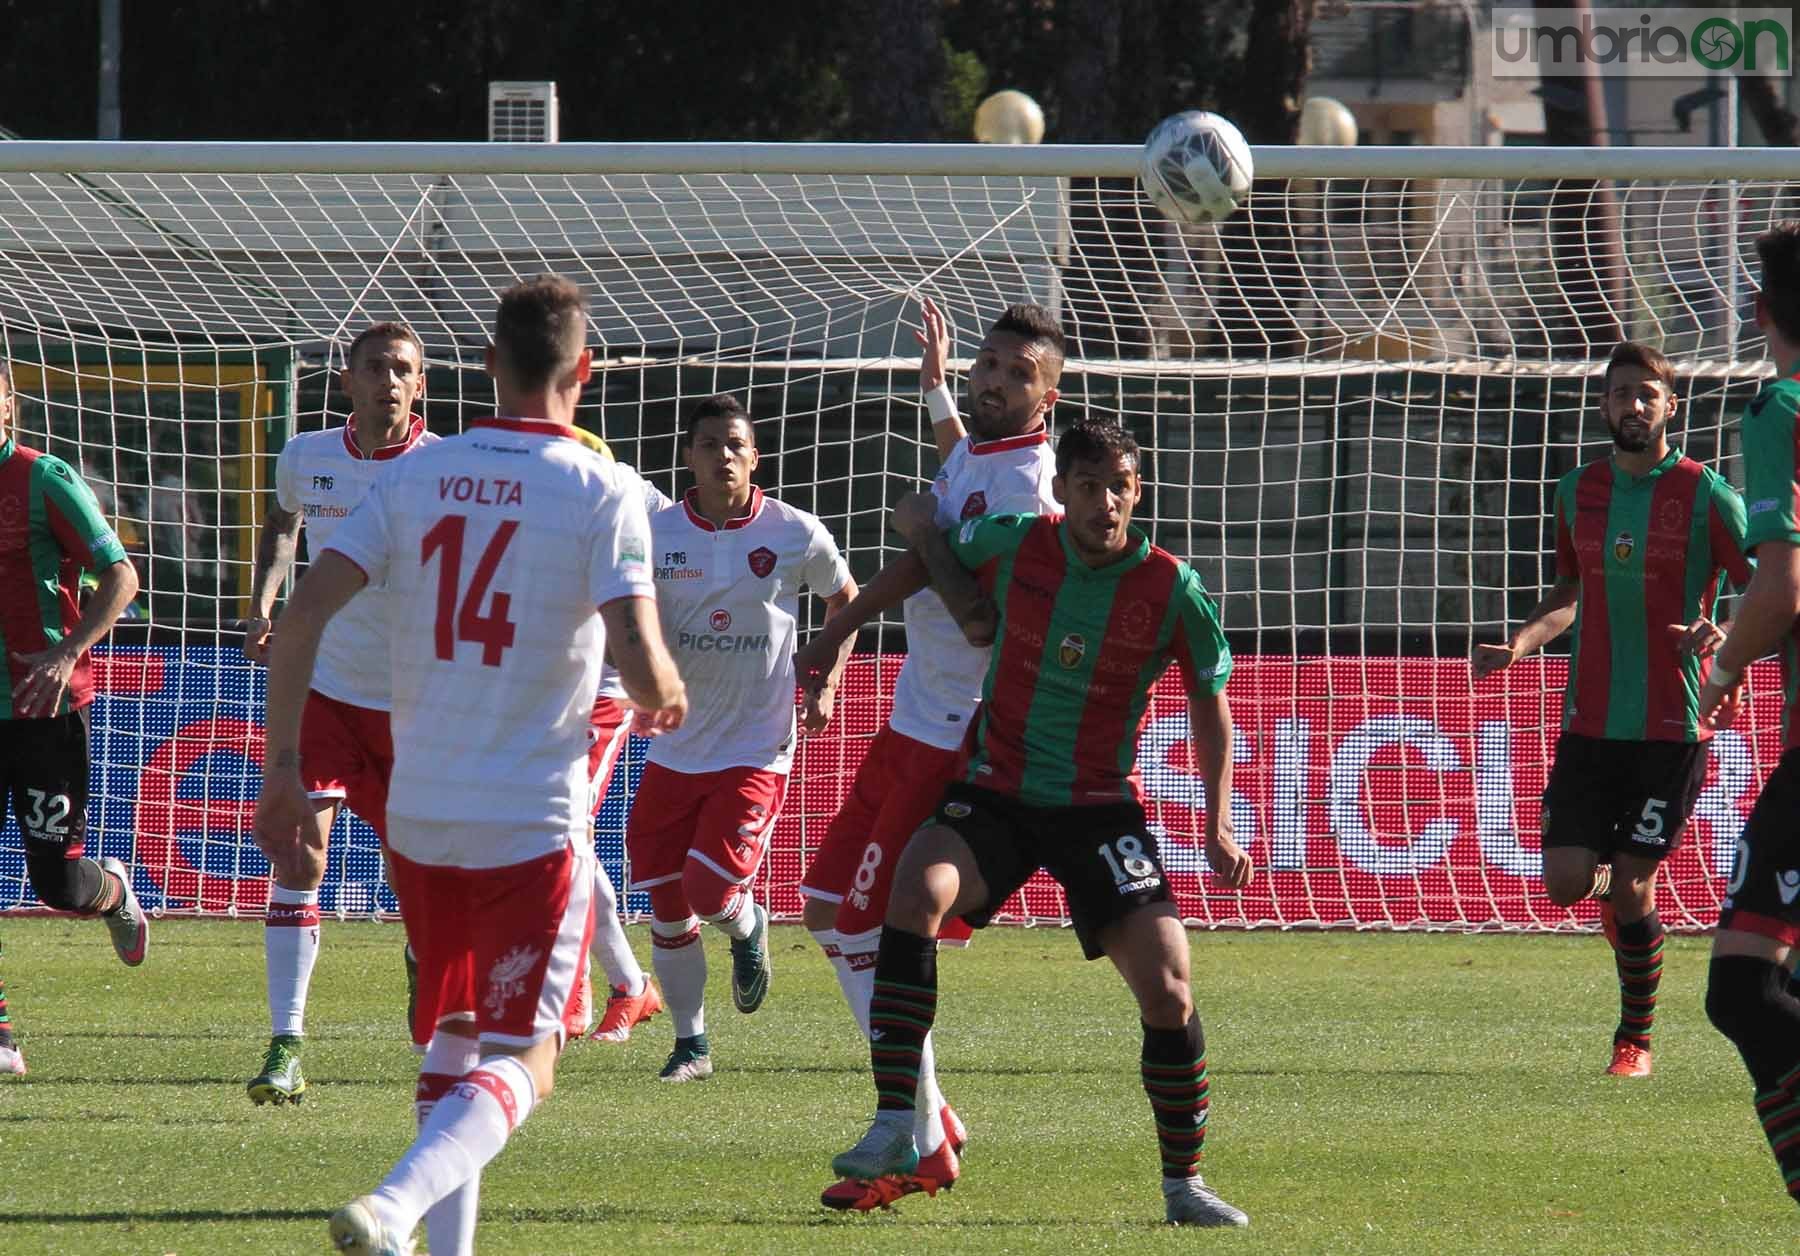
(1196, 167)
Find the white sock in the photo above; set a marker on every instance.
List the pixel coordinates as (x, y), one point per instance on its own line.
(680, 963)
(610, 945)
(449, 1223)
(290, 949)
(856, 978)
(466, 1129)
(928, 1129)
(738, 921)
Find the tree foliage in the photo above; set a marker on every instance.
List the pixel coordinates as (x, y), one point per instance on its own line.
(1104, 70)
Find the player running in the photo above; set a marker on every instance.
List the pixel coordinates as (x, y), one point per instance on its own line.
(346, 748)
(51, 530)
(1642, 538)
(1088, 616)
(730, 564)
(1748, 998)
(495, 548)
(1004, 465)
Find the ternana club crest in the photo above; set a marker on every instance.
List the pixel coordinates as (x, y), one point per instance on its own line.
(762, 560)
(1070, 652)
(1622, 546)
(975, 506)
(506, 979)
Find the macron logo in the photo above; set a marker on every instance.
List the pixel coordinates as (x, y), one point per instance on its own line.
(1787, 884)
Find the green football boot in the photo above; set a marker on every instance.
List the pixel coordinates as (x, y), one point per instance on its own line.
(280, 1080)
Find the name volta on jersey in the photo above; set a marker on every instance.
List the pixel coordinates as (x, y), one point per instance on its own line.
(729, 599)
(1076, 655)
(1647, 552)
(940, 682)
(1770, 436)
(493, 641)
(323, 477)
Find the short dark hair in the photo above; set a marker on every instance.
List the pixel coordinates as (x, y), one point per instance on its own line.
(1648, 357)
(390, 330)
(718, 406)
(540, 330)
(1094, 440)
(1038, 325)
(1779, 250)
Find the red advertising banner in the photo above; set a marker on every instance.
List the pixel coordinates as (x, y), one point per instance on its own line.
(1368, 792)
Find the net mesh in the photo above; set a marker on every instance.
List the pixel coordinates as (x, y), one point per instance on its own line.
(1355, 399)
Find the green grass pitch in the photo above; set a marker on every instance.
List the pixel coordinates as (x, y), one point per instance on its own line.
(1372, 1094)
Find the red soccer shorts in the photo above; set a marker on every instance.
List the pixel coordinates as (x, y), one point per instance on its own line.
(502, 947)
(347, 754)
(720, 820)
(900, 783)
(609, 728)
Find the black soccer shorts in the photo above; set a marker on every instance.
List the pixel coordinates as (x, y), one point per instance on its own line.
(1763, 895)
(1627, 797)
(1103, 855)
(44, 775)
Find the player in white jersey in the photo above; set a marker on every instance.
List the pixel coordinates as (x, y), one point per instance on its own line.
(1003, 465)
(632, 997)
(346, 747)
(495, 547)
(730, 564)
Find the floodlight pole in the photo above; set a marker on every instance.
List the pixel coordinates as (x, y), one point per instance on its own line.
(109, 127)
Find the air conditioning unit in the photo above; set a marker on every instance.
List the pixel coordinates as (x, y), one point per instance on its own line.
(522, 113)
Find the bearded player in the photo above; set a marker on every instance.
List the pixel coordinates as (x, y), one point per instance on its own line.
(1003, 464)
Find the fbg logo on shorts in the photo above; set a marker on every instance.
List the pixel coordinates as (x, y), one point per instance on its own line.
(1658, 43)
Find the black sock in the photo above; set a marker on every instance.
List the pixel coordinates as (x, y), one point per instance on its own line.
(1638, 957)
(901, 1012)
(1174, 1071)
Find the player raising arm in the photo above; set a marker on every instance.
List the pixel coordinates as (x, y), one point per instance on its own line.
(730, 564)
(1090, 616)
(347, 749)
(495, 547)
(1003, 465)
(53, 531)
(1642, 539)
(1754, 950)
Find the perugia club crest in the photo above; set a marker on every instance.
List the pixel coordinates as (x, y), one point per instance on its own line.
(975, 506)
(720, 620)
(1070, 652)
(762, 560)
(1622, 546)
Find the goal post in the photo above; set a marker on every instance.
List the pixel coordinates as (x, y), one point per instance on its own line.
(1355, 398)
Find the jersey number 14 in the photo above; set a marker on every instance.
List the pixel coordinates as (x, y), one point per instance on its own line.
(460, 618)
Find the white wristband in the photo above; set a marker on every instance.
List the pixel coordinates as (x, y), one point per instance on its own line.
(1722, 677)
(941, 403)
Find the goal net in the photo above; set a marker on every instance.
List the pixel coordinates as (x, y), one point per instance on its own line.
(1355, 400)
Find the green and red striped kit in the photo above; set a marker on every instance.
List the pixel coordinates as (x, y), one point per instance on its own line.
(1771, 447)
(50, 528)
(1076, 655)
(1647, 552)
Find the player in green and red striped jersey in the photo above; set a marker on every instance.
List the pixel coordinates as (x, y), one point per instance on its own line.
(1642, 538)
(1088, 615)
(1748, 995)
(51, 530)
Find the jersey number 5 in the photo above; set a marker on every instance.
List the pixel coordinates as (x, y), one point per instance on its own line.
(492, 631)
